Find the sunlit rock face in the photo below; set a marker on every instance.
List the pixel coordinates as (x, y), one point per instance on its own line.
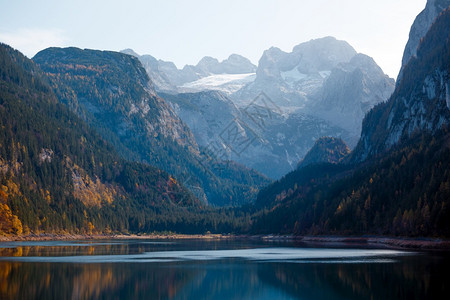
(420, 27)
(420, 102)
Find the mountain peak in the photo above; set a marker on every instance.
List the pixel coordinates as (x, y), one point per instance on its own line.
(322, 54)
(420, 27)
(130, 51)
(207, 62)
(326, 150)
(234, 64)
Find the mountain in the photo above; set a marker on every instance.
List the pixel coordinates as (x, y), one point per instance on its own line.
(421, 101)
(285, 140)
(350, 91)
(226, 83)
(323, 87)
(406, 192)
(58, 175)
(289, 78)
(326, 150)
(209, 74)
(112, 92)
(234, 64)
(323, 78)
(398, 179)
(206, 113)
(257, 136)
(157, 70)
(420, 27)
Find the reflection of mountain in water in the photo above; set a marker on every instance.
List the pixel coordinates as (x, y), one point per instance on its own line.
(233, 280)
(218, 270)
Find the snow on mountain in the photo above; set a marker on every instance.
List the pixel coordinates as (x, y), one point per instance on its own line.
(209, 74)
(289, 78)
(325, 78)
(227, 83)
(321, 88)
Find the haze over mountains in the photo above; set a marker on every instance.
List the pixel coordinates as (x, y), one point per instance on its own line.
(397, 179)
(322, 88)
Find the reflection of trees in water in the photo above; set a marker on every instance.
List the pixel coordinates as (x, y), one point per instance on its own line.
(419, 277)
(70, 250)
(75, 249)
(91, 281)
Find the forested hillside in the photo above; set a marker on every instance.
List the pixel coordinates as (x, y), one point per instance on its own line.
(112, 92)
(58, 176)
(405, 193)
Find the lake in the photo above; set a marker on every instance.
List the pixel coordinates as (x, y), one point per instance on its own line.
(219, 269)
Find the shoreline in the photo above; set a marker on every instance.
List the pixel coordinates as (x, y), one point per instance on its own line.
(121, 236)
(420, 243)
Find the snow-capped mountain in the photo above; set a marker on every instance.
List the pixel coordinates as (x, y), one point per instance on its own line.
(234, 64)
(290, 78)
(325, 78)
(322, 88)
(227, 76)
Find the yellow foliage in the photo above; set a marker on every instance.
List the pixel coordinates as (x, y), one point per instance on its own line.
(9, 223)
(3, 196)
(90, 192)
(17, 225)
(90, 227)
(13, 188)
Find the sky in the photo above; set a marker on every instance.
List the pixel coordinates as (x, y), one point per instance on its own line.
(185, 31)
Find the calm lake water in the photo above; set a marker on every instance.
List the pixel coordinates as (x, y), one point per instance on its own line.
(143, 269)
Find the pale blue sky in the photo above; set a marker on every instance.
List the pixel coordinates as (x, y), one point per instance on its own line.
(185, 31)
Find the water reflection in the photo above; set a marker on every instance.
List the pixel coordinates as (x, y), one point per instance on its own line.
(419, 276)
(91, 281)
(416, 277)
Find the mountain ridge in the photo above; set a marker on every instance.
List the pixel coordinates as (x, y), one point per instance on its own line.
(113, 93)
(397, 180)
(58, 175)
